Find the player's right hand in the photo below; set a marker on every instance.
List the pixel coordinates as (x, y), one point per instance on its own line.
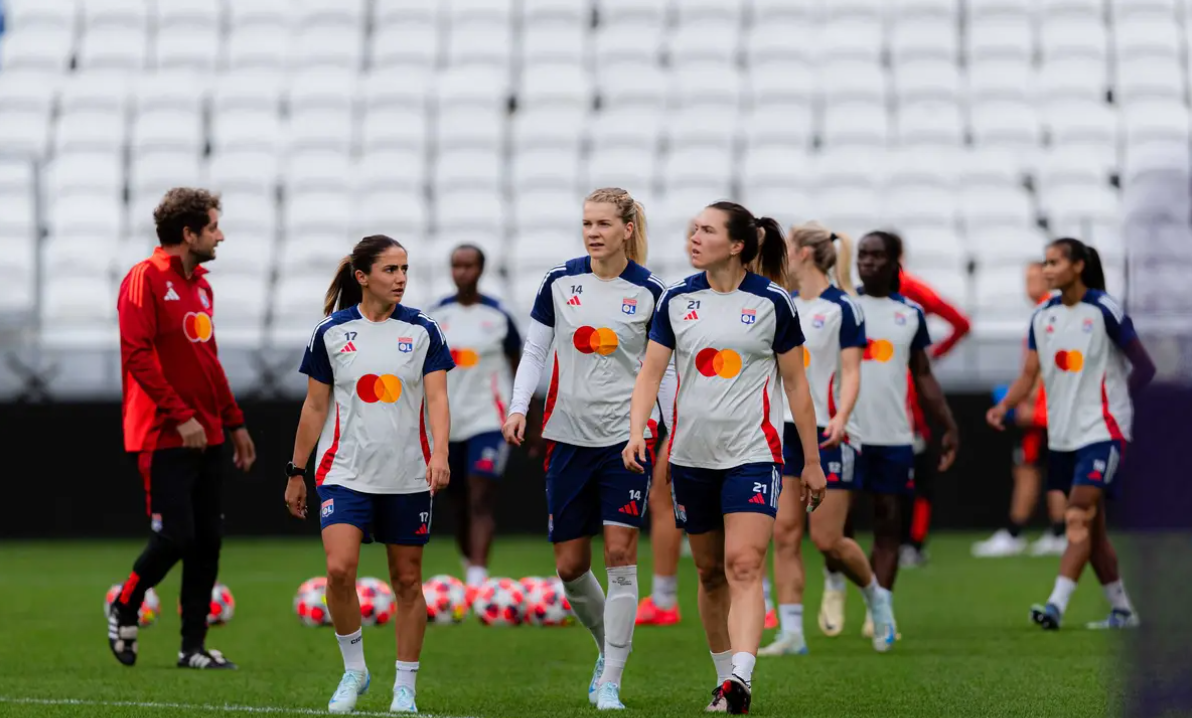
(634, 455)
(996, 417)
(514, 429)
(194, 436)
(296, 496)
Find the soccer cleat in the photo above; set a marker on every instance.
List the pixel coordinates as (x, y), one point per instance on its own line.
(884, 629)
(608, 698)
(1048, 616)
(717, 705)
(353, 685)
(831, 613)
(1049, 545)
(122, 639)
(649, 614)
(999, 545)
(911, 557)
(1118, 618)
(867, 627)
(403, 701)
(204, 659)
(771, 620)
(737, 695)
(786, 644)
(594, 686)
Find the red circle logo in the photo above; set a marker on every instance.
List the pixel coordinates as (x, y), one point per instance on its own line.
(197, 326)
(589, 340)
(724, 363)
(384, 388)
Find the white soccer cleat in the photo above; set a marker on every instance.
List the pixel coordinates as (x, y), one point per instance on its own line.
(403, 701)
(786, 644)
(831, 613)
(884, 630)
(1118, 619)
(353, 685)
(608, 698)
(594, 686)
(1049, 545)
(999, 545)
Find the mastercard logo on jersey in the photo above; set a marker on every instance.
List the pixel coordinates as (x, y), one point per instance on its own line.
(589, 340)
(1069, 360)
(878, 350)
(465, 358)
(384, 388)
(197, 326)
(724, 363)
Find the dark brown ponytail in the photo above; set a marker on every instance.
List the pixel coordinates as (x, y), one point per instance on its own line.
(345, 289)
(765, 245)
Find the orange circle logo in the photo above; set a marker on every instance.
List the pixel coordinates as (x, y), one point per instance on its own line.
(197, 326)
(465, 358)
(602, 341)
(878, 350)
(372, 388)
(1069, 360)
(724, 363)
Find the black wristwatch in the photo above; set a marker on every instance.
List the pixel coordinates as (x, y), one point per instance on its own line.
(292, 470)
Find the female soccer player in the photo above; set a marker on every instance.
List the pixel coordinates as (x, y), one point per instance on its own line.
(383, 367)
(896, 337)
(834, 332)
(486, 348)
(734, 335)
(594, 312)
(1081, 342)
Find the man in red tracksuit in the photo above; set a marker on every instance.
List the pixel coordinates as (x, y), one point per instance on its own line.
(177, 406)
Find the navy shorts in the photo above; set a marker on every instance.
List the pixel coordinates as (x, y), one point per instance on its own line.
(1096, 465)
(703, 496)
(839, 464)
(481, 455)
(399, 519)
(588, 488)
(886, 469)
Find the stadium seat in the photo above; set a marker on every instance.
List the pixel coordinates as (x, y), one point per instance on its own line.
(317, 171)
(72, 300)
(785, 168)
(251, 172)
(421, 14)
(27, 91)
(182, 47)
(1006, 246)
(252, 14)
(257, 90)
(1080, 211)
(393, 129)
(703, 43)
(492, 14)
(346, 14)
(297, 308)
(776, 42)
(989, 167)
(470, 211)
(980, 11)
(249, 215)
(855, 124)
(855, 9)
(153, 174)
(25, 15)
(246, 130)
(560, 128)
(121, 14)
(631, 128)
(555, 211)
(113, 48)
(632, 12)
(923, 39)
(315, 46)
(91, 216)
(555, 12)
(801, 12)
(1012, 126)
(782, 84)
(986, 207)
(788, 206)
(998, 294)
(1123, 10)
(1067, 38)
(554, 86)
(702, 127)
(1002, 80)
(478, 44)
(709, 86)
(704, 169)
(846, 82)
(778, 126)
(850, 167)
(16, 177)
(911, 208)
(556, 43)
(1156, 122)
(1147, 37)
(318, 216)
(631, 169)
(400, 214)
(470, 130)
(257, 47)
(167, 131)
(410, 48)
(853, 211)
(194, 14)
(330, 130)
(1083, 9)
(1004, 38)
(89, 131)
(1149, 78)
(1072, 79)
(627, 44)
(171, 90)
(932, 248)
(46, 49)
(927, 81)
(1092, 127)
(387, 171)
(545, 169)
(626, 85)
(849, 39)
(947, 10)
(94, 92)
(321, 89)
(26, 134)
(937, 167)
(19, 218)
(1070, 168)
(473, 87)
(929, 124)
(458, 170)
(387, 89)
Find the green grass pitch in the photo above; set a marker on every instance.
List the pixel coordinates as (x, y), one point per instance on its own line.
(967, 650)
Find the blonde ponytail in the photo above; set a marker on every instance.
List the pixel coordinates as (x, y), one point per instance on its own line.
(631, 212)
(844, 263)
(828, 250)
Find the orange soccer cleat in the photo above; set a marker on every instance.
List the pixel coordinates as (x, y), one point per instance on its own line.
(649, 614)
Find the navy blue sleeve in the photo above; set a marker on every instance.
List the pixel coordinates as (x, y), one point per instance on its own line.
(657, 289)
(438, 355)
(787, 332)
(315, 362)
(1030, 337)
(1118, 325)
(544, 304)
(922, 339)
(513, 340)
(852, 324)
(660, 326)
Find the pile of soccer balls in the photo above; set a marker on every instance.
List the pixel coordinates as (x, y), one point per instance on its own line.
(376, 602)
(222, 607)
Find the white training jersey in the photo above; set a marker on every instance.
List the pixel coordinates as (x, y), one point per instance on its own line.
(1084, 369)
(729, 405)
(600, 328)
(894, 328)
(482, 337)
(831, 323)
(376, 438)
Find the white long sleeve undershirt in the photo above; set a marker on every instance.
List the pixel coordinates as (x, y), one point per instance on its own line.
(539, 338)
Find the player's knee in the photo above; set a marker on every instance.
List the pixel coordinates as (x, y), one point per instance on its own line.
(1078, 519)
(341, 570)
(744, 566)
(827, 541)
(712, 577)
(407, 581)
(571, 569)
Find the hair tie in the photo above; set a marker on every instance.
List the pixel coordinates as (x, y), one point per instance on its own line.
(833, 237)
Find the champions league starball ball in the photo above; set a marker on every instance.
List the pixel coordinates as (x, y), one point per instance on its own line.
(223, 605)
(446, 599)
(310, 603)
(147, 614)
(546, 605)
(377, 602)
(500, 602)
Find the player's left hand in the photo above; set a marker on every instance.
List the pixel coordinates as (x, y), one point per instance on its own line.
(438, 475)
(833, 433)
(244, 451)
(949, 445)
(634, 455)
(813, 485)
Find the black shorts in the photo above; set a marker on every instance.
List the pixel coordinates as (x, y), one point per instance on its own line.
(184, 492)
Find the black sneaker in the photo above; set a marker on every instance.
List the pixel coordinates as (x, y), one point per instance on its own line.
(717, 705)
(122, 638)
(736, 695)
(204, 659)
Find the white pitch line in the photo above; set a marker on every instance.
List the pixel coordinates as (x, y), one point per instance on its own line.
(208, 707)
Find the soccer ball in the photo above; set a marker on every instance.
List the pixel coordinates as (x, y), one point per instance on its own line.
(377, 603)
(150, 607)
(310, 603)
(546, 605)
(446, 599)
(223, 606)
(500, 602)
(529, 584)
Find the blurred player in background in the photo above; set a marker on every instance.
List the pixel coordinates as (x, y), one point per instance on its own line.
(734, 336)
(1030, 417)
(486, 348)
(595, 313)
(383, 366)
(834, 331)
(896, 337)
(1092, 363)
(177, 406)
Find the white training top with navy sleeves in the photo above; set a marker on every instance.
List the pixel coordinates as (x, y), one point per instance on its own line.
(482, 336)
(600, 329)
(730, 404)
(894, 328)
(1084, 368)
(831, 323)
(377, 438)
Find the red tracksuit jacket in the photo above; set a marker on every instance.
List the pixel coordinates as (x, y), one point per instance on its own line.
(168, 356)
(915, 290)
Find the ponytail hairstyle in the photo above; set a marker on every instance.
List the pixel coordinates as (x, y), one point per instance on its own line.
(828, 249)
(765, 247)
(893, 245)
(345, 288)
(631, 212)
(1093, 274)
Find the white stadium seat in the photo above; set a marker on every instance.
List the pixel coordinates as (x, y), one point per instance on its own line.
(929, 124)
(927, 81)
(702, 169)
(113, 48)
(924, 39)
(554, 127)
(167, 131)
(247, 172)
(259, 13)
(1072, 79)
(555, 12)
(239, 130)
(627, 44)
(776, 42)
(545, 169)
(632, 12)
(853, 82)
(423, 14)
(780, 168)
(631, 85)
(477, 44)
(562, 86)
(187, 48)
(321, 130)
(320, 47)
(468, 170)
(702, 127)
(1149, 78)
(393, 129)
(555, 44)
(779, 126)
(634, 170)
(796, 11)
(712, 86)
(855, 9)
(385, 171)
(26, 134)
(47, 50)
(1071, 9)
(850, 40)
(401, 215)
(632, 127)
(27, 91)
(474, 87)
(91, 173)
(121, 14)
(782, 84)
(1002, 80)
(89, 131)
(842, 169)
(706, 42)
(1006, 38)
(394, 89)
(989, 207)
(408, 47)
(153, 174)
(470, 130)
(1081, 37)
(325, 171)
(934, 9)
(177, 90)
(350, 14)
(857, 124)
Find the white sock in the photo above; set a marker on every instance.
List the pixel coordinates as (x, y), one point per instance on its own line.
(475, 576)
(620, 612)
(724, 665)
(833, 580)
(870, 591)
(352, 648)
(665, 591)
(790, 618)
(766, 590)
(1115, 593)
(587, 602)
(1062, 593)
(743, 666)
(407, 673)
